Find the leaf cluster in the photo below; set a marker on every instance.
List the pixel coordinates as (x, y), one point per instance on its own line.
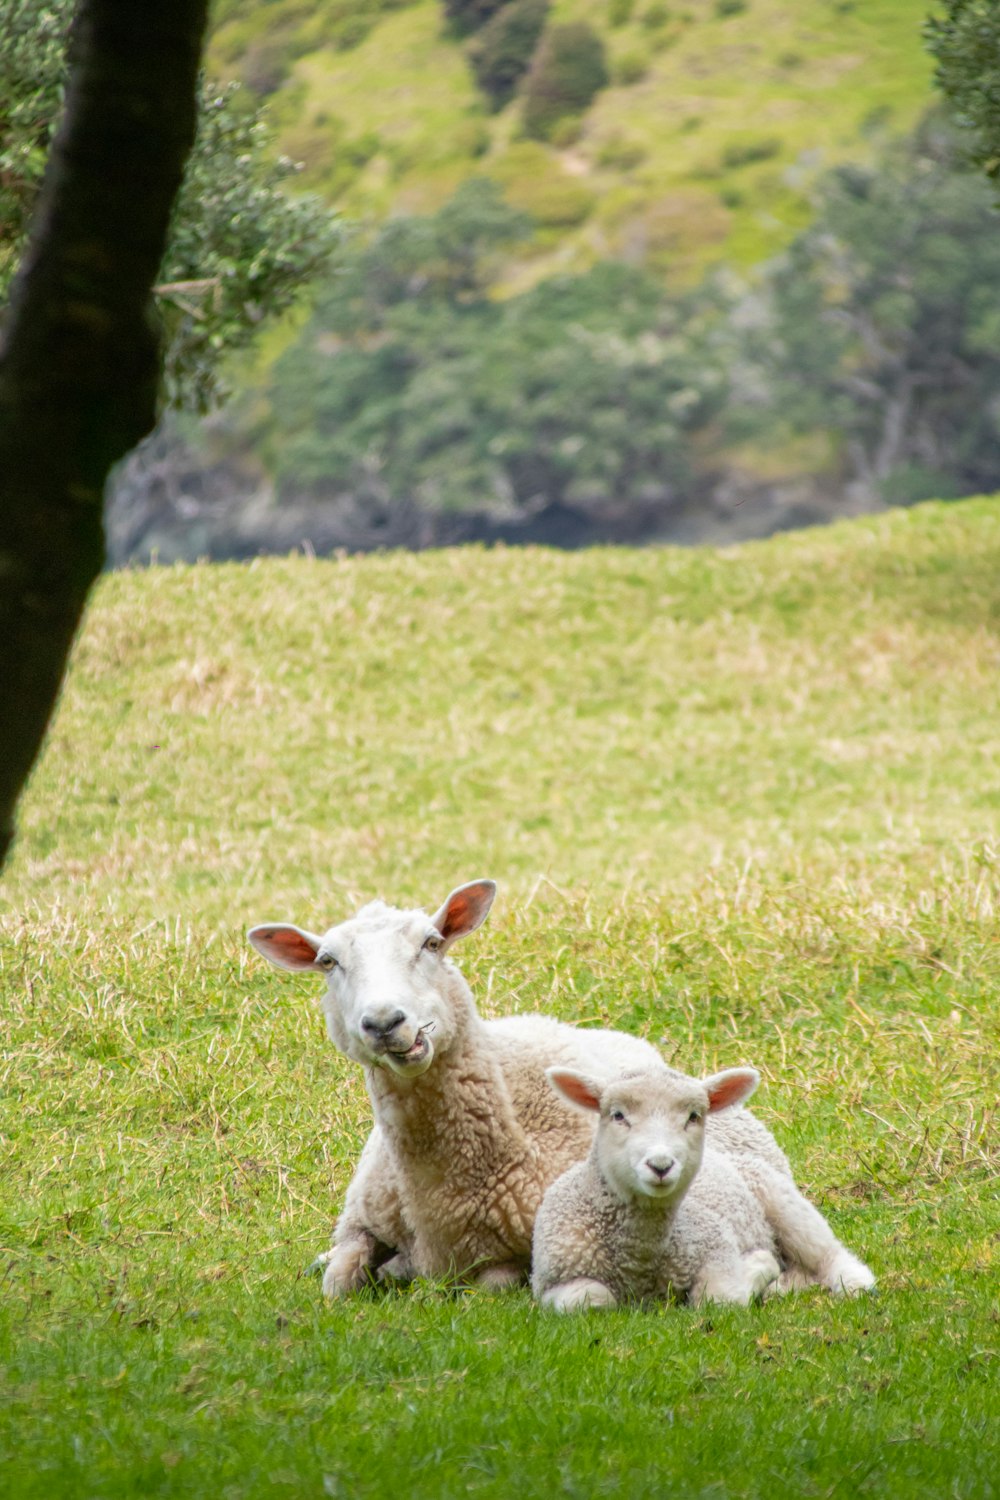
(568, 69)
(240, 246)
(882, 323)
(965, 41)
(501, 54)
(558, 70)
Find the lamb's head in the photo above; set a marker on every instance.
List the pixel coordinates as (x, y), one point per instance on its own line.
(393, 999)
(651, 1131)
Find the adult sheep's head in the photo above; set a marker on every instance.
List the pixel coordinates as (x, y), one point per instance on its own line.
(393, 999)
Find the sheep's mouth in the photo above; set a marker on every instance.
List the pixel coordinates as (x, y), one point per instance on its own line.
(416, 1058)
(415, 1053)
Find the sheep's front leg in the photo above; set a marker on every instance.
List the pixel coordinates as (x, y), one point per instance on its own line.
(739, 1278)
(371, 1232)
(581, 1292)
(500, 1278)
(398, 1271)
(351, 1263)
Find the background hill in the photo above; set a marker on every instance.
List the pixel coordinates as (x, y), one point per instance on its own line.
(620, 271)
(703, 148)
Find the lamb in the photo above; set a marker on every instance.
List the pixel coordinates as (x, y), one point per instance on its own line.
(657, 1209)
(468, 1134)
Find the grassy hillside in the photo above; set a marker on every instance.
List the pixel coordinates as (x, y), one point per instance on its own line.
(744, 802)
(704, 147)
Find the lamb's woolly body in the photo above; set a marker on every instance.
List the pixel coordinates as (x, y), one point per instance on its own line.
(661, 1207)
(642, 1249)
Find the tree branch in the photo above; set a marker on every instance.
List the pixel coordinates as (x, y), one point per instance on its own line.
(79, 365)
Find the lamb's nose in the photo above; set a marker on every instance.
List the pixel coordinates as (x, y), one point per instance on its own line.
(660, 1165)
(382, 1028)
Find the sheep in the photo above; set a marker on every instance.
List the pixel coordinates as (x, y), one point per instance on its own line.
(468, 1134)
(658, 1210)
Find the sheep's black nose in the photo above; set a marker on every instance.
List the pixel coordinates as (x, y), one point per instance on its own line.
(380, 1029)
(658, 1167)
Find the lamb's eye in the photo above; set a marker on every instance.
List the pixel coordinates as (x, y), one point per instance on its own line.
(694, 1118)
(327, 961)
(618, 1115)
(433, 943)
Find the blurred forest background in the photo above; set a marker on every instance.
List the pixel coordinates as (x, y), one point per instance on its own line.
(553, 270)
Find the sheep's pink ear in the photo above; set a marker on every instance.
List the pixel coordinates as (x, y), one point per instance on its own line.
(580, 1091)
(731, 1087)
(288, 947)
(465, 909)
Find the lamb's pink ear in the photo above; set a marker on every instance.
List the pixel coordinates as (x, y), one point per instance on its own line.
(580, 1091)
(288, 947)
(465, 909)
(730, 1087)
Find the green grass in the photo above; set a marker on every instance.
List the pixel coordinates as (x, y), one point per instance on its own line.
(743, 802)
(804, 82)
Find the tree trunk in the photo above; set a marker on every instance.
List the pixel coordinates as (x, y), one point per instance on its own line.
(79, 364)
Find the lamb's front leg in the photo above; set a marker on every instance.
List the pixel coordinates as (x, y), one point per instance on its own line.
(581, 1292)
(736, 1278)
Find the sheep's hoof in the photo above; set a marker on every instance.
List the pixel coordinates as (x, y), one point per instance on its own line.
(574, 1296)
(763, 1271)
(849, 1277)
(318, 1266)
(347, 1269)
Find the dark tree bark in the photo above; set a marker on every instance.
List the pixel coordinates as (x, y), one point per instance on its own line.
(79, 365)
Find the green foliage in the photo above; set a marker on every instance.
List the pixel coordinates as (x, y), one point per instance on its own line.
(534, 182)
(32, 72)
(883, 323)
(656, 15)
(568, 69)
(629, 68)
(619, 152)
(410, 383)
(500, 54)
(263, 41)
(554, 201)
(745, 153)
(467, 16)
(239, 246)
(246, 244)
(965, 41)
(620, 12)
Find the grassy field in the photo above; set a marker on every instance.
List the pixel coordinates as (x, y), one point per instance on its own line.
(744, 802)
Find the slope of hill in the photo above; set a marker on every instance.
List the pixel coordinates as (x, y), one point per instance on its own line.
(609, 714)
(703, 148)
(743, 802)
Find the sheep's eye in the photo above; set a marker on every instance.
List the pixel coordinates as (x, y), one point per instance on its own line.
(618, 1115)
(327, 961)
(694, 1118)
(433, 943)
